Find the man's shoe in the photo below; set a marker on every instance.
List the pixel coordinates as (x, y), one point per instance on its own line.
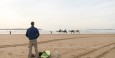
(32, 55)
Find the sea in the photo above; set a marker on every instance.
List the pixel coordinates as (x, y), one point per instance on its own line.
(82, 31)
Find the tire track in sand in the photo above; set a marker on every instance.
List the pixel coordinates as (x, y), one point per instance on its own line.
(104, 53)
(82, 55)
(15, 45)
(89, 52)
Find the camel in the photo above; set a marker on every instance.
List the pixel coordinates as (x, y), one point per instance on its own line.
(77, 31)
(62, 31)
(74, 31)
(65, 31)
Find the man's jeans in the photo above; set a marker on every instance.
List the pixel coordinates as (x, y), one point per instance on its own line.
(33, 43)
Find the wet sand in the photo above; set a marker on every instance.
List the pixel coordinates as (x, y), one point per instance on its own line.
(66, 45)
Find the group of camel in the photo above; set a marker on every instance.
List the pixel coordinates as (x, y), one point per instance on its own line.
(71, 31)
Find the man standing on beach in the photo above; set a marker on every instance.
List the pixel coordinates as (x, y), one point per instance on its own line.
(32, 33)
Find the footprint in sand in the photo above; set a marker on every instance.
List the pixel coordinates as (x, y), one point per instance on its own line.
(22, 52)
(9, 53)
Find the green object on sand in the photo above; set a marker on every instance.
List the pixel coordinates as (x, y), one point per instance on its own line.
(46, 54)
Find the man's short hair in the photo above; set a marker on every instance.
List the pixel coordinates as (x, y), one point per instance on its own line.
(32, 23)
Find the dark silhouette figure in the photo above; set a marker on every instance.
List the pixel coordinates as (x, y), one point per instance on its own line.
(10, 32)
(77, 31)
(65, 31)
(51, 32)
(60, 31)
(72, 31)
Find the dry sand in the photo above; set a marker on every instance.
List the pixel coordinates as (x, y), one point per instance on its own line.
(67, 45)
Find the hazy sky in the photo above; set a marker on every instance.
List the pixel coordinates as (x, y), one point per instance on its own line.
(56, 14)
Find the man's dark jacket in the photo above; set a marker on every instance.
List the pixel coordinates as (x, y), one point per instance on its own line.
(32, 33)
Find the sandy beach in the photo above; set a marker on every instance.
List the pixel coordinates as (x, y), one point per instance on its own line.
(66, 45)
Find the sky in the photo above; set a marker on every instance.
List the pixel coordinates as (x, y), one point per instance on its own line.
(58, 14)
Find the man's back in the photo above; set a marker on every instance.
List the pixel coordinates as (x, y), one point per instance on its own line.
(32, 33)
